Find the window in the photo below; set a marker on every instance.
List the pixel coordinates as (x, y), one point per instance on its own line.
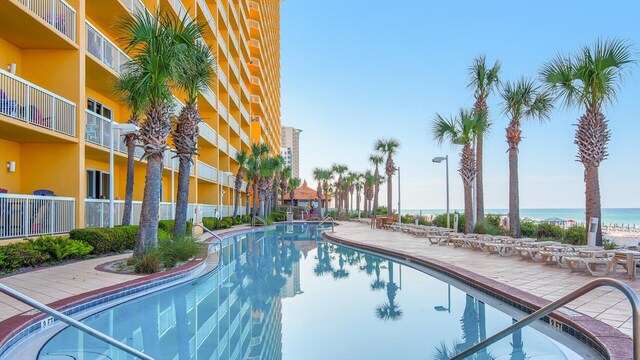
(99, 108)
(97, 184)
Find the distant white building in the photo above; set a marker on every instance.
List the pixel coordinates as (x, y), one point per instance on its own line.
(290, 148)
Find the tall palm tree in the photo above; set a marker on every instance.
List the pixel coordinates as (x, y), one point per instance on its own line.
(326, 178)
(369, 185)
(258, 152)
(376, 160)
(318, 177)
(264, 182)
(482, 81)
(278, 168)
(339, 170)
(388, 147)
(194, 74)
(461, 130)
(293, 185)
(590, 79)
(137, 103)
(358, 184)
(284, 181)
(522, 100)
(154, 43)
(242, 158)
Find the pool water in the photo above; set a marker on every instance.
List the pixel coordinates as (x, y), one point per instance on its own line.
(281, 294)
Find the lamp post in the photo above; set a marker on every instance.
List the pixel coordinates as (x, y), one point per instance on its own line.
(438, 160)
(448, 308)
(399, 211)
(125, 129)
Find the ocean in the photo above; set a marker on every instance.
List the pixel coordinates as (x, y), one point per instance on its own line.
(626, 216)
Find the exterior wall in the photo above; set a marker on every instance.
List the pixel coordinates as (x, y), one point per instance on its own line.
(290, 139)
(48, 159)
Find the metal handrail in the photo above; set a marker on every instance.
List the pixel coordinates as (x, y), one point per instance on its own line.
(72, 322)
(544, 311)
(253, 220)
(326, 220)
(207, 231)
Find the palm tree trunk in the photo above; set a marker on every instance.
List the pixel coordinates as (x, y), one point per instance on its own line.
(592, 192)
(236, 200)
(128, 197)
(375, 195)
(358, 202)
(148, 231)
(389, 194)
(468, 210)
(255, 199)
(514, 192)
(479, 182)
(182, 198)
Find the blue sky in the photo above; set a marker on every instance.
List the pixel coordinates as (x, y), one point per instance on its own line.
(354, 71)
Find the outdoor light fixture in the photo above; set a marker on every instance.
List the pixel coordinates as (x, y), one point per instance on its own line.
(439, 159)
(12, 68)
(126, 129)
(11, 166)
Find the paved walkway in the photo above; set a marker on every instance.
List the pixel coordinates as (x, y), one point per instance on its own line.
(549, 282)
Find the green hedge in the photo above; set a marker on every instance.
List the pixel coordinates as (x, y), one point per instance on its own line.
(108, 240)
(278, 216)
(167, 226)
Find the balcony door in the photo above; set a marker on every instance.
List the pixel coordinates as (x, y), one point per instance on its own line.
(97, 184)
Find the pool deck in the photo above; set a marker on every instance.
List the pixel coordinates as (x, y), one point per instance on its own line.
(608, 305)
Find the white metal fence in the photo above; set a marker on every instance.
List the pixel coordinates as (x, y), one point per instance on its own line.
(102, 48)
(31, 215)
(30, 103)
(134, 5)
(57, 13)
(222, 110)
(96, 212)
(208, 133)
(233, 152)
(221, 75)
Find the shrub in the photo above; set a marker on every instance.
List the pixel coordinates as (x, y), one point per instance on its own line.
(576, 235)
(24, 254)
(105, 240)
(3, 258)
(149, 264)
(60, 248)
(441, 221)
(238, 220)
(549, 231)
(226, 223)
(167, 226)
(229, 219)
(210, 223)
(176, 250)
(528, 229)
(278, 216)
(246, 219)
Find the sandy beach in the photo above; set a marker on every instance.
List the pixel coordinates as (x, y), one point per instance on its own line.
(623, 238)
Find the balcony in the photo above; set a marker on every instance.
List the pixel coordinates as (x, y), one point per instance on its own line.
(207, 15)
(222, 110)
(244, 113)
(25, 101)
(104, 50)
(233, 152)
(179, 9)
(98, 132)
(134, 6)
(254, 10)
(234, 124)
(222, 77)
(208, 133)
(29, 23)
(244, 137)
(223, 145)
(226, 179)
(245, 90)
(31, 215)
(254, 44)
(234, 96)
(234, 67)
(207, 172)
(223, 12)
(254, 28)
(210, 96)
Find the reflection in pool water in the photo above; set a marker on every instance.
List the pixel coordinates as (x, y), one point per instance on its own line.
(282, 294)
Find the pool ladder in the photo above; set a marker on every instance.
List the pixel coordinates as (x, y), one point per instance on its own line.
(72, 322)
(326, 221)
(253, 220)
(546, 310)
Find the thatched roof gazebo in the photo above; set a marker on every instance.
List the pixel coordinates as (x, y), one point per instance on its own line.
(304, 195)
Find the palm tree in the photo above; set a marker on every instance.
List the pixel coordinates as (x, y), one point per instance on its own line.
(258, 151)
(482, 80)
(352, 179)
(137, 102)
(318, 177)
(521, 100)
(461, 130)
(369, 185)
(388, 147)
(241, 158)
(194, 74)
(154, 43)
(390, 310)
(339, 170)
(264, 182)
(358, 187)
(284, 181)
(293, 185)
(590, 79)
(278, 168)
(376, 160)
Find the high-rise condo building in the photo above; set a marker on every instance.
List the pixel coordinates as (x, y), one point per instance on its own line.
(290, 148)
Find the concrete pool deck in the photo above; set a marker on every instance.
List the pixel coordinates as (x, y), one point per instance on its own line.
(548, 282)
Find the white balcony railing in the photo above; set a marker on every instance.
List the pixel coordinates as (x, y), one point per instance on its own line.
(30, 103)
(234, 96)
(243, 112)
(207, 14)
(32, 215)
(169, 161)
(222, 110)
(208, 133)
(256, 99)
(210, 96)
(244, 137)
(234, 124)
(96, 212)
(222, 77)
(244, 186)
(233, 152)
(98, 131)
(223, 44)
(255, 80)
(245, 90)
(179, 8)
(254, 5)
(233, 37)
(207, 171)
(104, 50)
(254, 24)
(223, 12)
(254, 42)
(234, 67)
(134, 6)
(223, 145)
(56, 13)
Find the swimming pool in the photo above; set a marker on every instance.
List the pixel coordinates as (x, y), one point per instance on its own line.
(281, 294)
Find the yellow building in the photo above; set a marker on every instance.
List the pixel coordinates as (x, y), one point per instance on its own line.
(58, 62)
